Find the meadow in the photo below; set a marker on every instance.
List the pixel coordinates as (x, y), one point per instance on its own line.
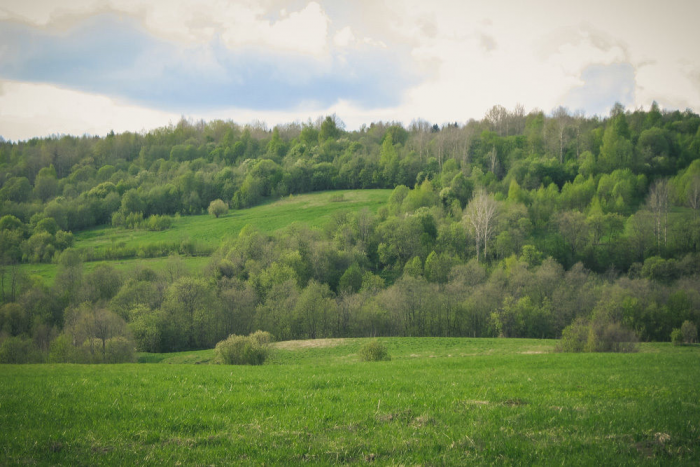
(438, 401)
(314, 210)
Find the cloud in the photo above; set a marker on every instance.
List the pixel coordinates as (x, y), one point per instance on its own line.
(28, 110)
(344, 37)
(119, 58)
(367, 59)
(603, 86)
(304, 31)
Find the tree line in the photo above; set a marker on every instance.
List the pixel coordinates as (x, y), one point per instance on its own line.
(515, 225)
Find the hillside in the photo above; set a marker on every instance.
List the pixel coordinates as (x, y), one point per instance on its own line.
(314, 210)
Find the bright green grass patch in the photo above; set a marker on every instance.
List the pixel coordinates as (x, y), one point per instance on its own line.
(314, 210)
(505, 407)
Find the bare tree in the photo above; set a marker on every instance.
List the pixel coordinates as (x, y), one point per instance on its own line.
(561, 120)
(693, 193)
(480, 218)
(439, 142)
(577, 122)
(421, 130)
(493, 159)
(658, 203)
(497, 117)
(518, 118)
(464, 140)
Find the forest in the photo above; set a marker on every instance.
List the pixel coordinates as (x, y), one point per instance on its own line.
(516, 225)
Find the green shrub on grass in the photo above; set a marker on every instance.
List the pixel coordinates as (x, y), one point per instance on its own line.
(374, 351)
(574, 337)
(244, 350)
(677, 336)
(689, 331)
(597, 335)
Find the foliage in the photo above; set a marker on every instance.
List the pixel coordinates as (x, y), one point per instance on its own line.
(516, 225)
(677, 336)
(217, 208)
(244, 350)
(611, 337)
(374, 351)
(689, 331)
(597, 336)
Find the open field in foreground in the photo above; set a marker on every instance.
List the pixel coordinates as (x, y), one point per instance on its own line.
(439, 401)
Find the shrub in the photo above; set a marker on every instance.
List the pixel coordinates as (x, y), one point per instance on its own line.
(61, 350)
(374, 351)
(119, 350)
(217, 208)
(158, 223)
(262, 337)
(677, 336)
(597, 336)
(611, 337)
(19, 350)
(241, 350)
(574, 337)
(689, 331)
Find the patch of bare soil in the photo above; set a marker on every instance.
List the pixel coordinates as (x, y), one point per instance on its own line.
(308, 344)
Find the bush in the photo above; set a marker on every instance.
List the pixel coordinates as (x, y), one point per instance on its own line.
(119, 350)
(262, 337)
(677, 336)
(217, 208)
(241, 350)
(611, 337)
(61, 350)
(374, 351)
(574, 337)
(19, 350)
(689, 331)
(597, 336)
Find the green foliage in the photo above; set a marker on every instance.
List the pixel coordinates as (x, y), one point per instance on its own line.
(374, 351)
(597, 335)
(351, 280)
(217, 208)
(689, 331)
(677, 337)
(241, 350)
(19, 350)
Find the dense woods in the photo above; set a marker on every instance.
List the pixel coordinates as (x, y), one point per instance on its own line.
(516, 225)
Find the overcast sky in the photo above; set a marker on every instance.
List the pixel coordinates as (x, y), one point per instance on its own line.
(90, 66)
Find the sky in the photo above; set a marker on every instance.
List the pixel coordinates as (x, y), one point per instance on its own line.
(91, 66)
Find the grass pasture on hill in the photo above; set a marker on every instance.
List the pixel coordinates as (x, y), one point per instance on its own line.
(438, 401)
(313, 210)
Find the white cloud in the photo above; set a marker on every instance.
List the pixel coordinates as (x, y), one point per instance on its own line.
(344, 37)
(472, 54)
(241, 23)
(28, 110)
(304, 31)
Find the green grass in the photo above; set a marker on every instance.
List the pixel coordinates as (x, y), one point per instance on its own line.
(438, 401)
(314, 210)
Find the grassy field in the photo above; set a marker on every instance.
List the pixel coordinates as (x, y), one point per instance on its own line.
(314, 210)
(438, 401)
